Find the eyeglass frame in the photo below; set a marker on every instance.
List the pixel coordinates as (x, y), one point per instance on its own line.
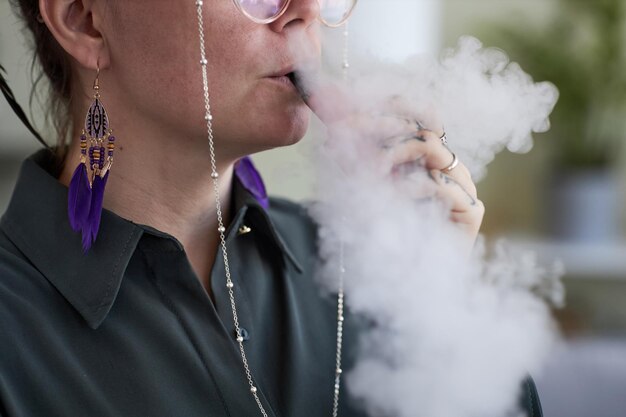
(284, 9)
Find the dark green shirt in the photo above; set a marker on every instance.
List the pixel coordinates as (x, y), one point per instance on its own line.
(129, 330)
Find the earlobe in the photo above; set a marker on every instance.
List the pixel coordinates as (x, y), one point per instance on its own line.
(74, 25)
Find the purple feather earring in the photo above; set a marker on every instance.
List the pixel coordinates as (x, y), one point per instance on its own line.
(86, 190)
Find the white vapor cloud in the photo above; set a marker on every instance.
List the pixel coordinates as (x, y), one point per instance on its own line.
(456, 333)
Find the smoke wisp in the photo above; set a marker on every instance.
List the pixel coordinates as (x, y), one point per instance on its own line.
(457, 331)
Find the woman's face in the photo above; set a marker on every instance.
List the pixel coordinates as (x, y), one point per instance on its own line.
(155, 63)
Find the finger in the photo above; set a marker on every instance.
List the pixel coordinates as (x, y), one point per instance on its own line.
(424, 116)
(465, 209)
(451, 191)
(471, 220)
(426, 148)
(462, 175)
(423, 142)
(431, 121)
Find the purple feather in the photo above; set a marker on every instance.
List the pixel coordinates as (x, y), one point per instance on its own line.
(251, 180)
(79, 198)
(87, 239)
(90, 231)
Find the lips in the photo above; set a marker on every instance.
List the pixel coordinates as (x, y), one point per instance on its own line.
(308, 65)
(284, 76)
(283, 72)
(293, 74)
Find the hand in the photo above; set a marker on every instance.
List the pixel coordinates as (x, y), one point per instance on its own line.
(425, 148)
(417, 146)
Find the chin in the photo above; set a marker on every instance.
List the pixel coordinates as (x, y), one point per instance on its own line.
(287, 131)
(297, 131)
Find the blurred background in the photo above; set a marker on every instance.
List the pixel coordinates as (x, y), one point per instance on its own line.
(563, 199)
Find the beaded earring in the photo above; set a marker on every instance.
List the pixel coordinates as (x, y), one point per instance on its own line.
(86, 190)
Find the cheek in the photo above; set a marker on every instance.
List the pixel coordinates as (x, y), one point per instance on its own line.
(258, 115)
(155, 50)
(155, 57)
(277, 112)
(248, 110)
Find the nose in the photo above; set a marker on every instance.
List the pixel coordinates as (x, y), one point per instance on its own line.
(299, 12)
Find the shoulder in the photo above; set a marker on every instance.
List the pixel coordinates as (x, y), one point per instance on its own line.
(13, 264)
(529, 398)
(32, 310)
(23, 288)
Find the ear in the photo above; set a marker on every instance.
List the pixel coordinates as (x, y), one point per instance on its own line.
(76, 26)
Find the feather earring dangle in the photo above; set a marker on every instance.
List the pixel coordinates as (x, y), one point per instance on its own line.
(86, 190)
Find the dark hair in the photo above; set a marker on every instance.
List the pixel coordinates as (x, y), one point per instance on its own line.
(54, 64)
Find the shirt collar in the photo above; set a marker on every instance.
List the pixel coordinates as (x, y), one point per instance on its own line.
(36, 222)
(245, 201)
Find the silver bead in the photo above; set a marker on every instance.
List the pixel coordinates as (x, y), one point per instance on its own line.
(230, 284)
(203, 61)
(208, 117)
(221, 229)
(214, 175)
(338, 371)
(239, 339)
(346, 65)
(253, 390)
(199, 3)
(340, 318)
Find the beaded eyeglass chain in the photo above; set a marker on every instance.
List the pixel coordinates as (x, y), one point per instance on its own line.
(208, 117)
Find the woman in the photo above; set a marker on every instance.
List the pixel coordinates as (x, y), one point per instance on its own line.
(141, 323)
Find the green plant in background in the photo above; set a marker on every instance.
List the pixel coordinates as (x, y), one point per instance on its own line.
(581, 49)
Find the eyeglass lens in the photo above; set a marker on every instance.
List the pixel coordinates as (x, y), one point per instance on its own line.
(332, 12)
(335, 12)
(262, 10)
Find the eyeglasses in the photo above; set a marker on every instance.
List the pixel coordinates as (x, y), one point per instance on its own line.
(333, 13)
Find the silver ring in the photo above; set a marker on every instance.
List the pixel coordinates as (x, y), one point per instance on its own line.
(455, 162)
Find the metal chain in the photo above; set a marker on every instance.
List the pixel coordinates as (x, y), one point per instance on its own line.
(338, 369)
(342, 269)
(221, 230)
(346, 49)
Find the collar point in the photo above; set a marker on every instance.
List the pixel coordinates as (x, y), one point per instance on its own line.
(94, 321)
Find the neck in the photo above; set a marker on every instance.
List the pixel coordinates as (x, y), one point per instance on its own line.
(165, 182)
